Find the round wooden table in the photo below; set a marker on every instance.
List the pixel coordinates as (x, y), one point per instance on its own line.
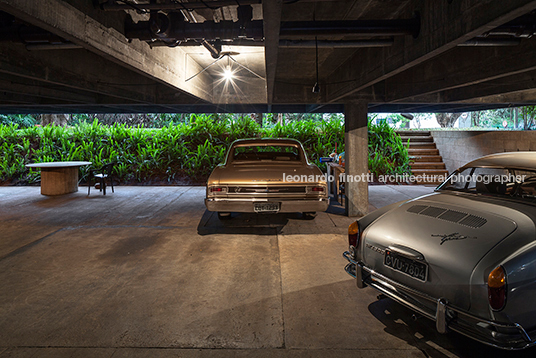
(58, 177)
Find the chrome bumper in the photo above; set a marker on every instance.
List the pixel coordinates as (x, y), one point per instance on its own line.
(287, 205)
(447, 317)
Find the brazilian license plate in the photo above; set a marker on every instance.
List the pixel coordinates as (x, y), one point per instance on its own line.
(407, 266)
(266, 207)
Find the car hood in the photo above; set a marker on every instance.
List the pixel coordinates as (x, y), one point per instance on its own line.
(451, 233)
(263, 174)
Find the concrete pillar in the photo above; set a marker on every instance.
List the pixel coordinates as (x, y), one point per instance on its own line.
(356, 156)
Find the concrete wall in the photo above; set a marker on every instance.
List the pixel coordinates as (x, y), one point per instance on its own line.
(460, 147)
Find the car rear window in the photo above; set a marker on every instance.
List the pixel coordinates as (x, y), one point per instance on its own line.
(494, 181)
(282, 153)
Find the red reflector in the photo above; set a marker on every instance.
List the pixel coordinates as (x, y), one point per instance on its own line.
(318, 188)
(353, 234)
(352, 240)
(497, 297)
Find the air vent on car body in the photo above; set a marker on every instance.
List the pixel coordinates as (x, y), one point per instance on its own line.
(432, 211)
(473, 221)
(417, 208)
(453, 216)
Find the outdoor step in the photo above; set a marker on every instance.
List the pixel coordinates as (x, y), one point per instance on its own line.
(427, 165)
(429, 171)
(413, 133)
(425, 145)
(426, 158)
(420, 152)
(419, 139)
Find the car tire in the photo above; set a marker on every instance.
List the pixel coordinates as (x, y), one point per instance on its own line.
(224, 216)
(309, 215)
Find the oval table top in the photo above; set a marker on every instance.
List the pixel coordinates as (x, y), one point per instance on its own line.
(57, 164)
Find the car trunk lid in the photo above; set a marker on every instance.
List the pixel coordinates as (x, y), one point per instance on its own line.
(447, 237)
(267, 174)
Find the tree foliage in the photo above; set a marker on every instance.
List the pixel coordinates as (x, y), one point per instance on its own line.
(447, 120)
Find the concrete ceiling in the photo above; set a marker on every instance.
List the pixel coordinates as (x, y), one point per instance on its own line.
(151, 56)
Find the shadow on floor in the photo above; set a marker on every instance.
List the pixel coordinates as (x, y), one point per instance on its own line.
(400, 322)
(247, 224)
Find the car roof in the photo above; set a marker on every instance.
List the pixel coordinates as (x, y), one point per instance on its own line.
(266, 141)
(513, 160)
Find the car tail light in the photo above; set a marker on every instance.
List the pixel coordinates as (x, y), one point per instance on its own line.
(353, 234)
(497, 289)
(216, 189)
(318, 188)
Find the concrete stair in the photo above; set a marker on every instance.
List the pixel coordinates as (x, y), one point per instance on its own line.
(424, 156)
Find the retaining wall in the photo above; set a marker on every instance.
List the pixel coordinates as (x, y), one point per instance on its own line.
(460, 147)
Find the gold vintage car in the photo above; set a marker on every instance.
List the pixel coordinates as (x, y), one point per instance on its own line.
(266, 176)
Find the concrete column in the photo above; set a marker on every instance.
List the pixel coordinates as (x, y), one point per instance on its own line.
(356, 155)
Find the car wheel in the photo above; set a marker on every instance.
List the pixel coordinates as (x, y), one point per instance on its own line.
(309, 215)
(224, 216)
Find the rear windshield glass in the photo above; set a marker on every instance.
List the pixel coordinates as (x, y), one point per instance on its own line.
(282, 153)
(491, 181)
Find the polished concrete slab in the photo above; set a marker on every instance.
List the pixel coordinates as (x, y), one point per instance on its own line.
(148, 272)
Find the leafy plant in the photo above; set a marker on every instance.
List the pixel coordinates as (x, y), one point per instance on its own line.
(388, 155)
(184, 150)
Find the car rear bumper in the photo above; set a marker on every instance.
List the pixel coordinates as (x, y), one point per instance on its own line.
(447, 317)
(286, 205)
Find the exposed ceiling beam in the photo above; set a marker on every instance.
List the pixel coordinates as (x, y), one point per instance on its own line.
(87, 73)
(24, 108)
(435, 107)
(516, 88)
(444, 25)
(272, 22)
(166, 65)
(513, 99)
(39, 90)
(459, 68)
(287, 92)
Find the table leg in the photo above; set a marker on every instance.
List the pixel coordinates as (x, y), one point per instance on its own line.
(57, 181)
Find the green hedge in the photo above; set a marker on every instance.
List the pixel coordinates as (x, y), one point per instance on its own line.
(185, 152)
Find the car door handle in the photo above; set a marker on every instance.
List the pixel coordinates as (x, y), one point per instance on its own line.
(406, 251)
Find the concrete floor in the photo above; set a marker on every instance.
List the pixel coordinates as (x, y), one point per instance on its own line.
(148, 272)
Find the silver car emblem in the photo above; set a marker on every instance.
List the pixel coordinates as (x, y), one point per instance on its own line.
(375, 248)
(453, 236)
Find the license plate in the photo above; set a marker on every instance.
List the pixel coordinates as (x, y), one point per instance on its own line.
(407, 266)
(266, 207)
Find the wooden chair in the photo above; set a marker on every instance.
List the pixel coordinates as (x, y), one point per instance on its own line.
(101, 175)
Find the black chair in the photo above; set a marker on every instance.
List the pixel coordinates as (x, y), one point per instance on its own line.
(101, 175)
(342, 194)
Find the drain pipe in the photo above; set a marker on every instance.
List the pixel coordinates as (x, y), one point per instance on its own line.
(184, 31)
(114, 6)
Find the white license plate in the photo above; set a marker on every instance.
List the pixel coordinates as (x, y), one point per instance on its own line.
(266, 207)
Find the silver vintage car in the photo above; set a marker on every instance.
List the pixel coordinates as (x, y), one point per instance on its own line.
(463, 256)
(266, 176)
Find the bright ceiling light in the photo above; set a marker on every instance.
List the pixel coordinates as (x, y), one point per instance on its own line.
(228, 75)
